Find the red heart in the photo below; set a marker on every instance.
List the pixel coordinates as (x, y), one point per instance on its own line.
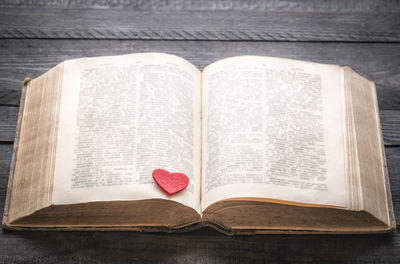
(170, 182)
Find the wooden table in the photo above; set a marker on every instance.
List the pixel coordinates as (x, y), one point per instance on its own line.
(36, 35)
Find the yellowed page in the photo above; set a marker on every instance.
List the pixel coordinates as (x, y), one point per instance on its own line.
(273, 128)
(121, 117)
(368, 144)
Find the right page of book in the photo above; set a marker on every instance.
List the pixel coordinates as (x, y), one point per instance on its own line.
(273, 129)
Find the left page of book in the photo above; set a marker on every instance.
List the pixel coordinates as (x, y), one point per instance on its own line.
(121, 117)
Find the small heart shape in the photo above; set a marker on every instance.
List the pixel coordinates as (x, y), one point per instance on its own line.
(171, 183)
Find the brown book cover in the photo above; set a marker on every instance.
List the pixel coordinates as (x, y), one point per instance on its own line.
(211, 221)
(176, 229)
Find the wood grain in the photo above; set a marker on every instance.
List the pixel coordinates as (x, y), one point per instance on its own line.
(390, 121)
(35, 35)
(6, 151)
(225, 5)
(378, 62)
(56, 22)
(8, 122)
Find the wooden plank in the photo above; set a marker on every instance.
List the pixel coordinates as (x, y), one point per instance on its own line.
(393, 162)
(56, 22)
(29, 58)
(289, 20)
(5, 161)
(390, 120)
(225, 5)
(203, 246)
(8, 122)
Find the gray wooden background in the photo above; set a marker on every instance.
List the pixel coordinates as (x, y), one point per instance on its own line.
(35, 35)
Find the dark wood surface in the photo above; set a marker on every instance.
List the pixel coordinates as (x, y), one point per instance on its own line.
(35, 35)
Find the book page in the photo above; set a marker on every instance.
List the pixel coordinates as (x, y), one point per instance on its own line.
(273, 129)
(121, 117)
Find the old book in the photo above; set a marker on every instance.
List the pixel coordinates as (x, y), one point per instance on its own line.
(270, 145)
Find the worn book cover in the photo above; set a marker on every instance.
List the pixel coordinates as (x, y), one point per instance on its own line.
(270, 145)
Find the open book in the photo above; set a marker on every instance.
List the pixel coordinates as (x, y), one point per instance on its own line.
(269, 145)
